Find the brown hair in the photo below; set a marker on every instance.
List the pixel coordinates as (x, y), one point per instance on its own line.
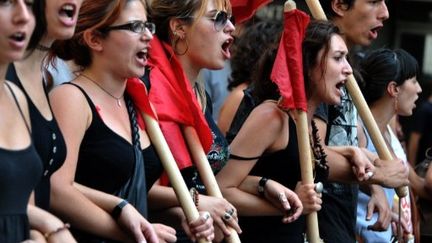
(94, 15)
(317, 37)
(162, 11)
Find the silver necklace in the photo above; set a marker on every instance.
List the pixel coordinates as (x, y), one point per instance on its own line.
(118, 99)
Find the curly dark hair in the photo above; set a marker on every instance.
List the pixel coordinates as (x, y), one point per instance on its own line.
(250, 47)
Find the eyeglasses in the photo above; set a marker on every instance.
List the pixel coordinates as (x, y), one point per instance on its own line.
(221, 19)
(137, 26)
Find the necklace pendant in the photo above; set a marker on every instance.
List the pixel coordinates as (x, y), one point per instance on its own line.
(118, 103)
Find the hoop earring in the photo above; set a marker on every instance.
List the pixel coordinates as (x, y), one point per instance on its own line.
(175, 47)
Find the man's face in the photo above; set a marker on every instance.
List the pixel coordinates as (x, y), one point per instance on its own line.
(361, 23)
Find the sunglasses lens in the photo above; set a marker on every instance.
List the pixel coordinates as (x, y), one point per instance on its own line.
(232, 19)
(221, 19)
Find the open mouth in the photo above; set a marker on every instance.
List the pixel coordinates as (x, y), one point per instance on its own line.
(226, 47)
(68, 10)
(18, 37)
(141, 56)
(374, 31)
(339, 87)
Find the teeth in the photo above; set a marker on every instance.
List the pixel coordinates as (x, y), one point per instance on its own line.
(18, 36)
(68, 7)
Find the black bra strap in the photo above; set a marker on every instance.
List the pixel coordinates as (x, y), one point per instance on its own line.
(19, 107)
(233, 156)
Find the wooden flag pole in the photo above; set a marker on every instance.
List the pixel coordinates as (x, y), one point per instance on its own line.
(307, 171)
(305, 155)
(205, 171)
(170, 166)
(360, 103)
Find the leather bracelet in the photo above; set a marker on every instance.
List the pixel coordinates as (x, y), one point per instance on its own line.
(61, 228)
(115, 213)
(261, 186)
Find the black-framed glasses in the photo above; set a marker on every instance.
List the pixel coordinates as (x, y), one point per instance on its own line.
(137, 26)
(221, 19)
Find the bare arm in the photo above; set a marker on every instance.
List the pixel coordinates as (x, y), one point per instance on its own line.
(342, 160)
(44, 222)
(338, 157)
(252, 141)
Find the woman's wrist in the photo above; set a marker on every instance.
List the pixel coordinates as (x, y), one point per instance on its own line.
(57, 230)
(115, 213)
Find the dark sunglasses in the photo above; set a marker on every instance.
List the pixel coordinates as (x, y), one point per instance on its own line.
(221, 19)
(137, 26)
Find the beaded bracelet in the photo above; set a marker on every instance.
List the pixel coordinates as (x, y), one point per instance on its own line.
(61, 228)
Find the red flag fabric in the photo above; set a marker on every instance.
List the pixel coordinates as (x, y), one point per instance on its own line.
(138, 93)
(245, 9)
(175, 102)
(287, 70)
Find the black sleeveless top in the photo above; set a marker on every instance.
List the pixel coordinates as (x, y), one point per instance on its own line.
(20, 171)
(282, 166)
(48, 141)
(106, 160)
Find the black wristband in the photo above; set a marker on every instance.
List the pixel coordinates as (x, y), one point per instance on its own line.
(261, 185)
(115, 213)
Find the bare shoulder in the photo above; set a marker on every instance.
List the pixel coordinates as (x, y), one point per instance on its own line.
(69, 95)
(269, 114)
(69, 101)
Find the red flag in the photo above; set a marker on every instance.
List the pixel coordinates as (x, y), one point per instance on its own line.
(175, 102)
(245, 9)
(287, 70)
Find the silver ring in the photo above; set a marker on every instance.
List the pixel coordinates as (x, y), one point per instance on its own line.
(230, 211)
(206, 215)
(369, 174)
(319, 187)
(227, 216)
(282, 197)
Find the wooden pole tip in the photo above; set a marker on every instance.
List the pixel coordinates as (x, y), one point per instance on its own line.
(289, 5)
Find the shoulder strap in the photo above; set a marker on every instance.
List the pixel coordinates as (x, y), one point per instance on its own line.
(237, 157)
(19, 107)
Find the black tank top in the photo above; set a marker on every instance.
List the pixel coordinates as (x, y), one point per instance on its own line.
(20, 171)
(48, 141)
(282, 166)
(106, 160)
